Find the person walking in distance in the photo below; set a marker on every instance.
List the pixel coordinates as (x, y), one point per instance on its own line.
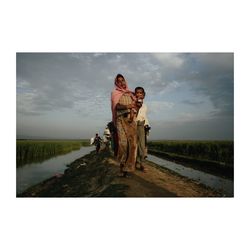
(97, 143)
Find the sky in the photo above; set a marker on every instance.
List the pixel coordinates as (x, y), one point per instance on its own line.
(190, 96)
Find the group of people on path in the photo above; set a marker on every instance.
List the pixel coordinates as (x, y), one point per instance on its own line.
(130, 126)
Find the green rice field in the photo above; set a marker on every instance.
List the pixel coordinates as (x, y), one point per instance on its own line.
(37, 150)
(217, 151)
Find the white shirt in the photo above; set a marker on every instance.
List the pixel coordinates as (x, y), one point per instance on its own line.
(106, 135)
(142, 114)
(106, 131)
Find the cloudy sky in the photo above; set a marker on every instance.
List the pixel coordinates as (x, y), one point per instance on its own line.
(67, 95)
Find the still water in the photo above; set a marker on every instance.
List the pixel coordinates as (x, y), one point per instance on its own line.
(31, 174)
(225, 186)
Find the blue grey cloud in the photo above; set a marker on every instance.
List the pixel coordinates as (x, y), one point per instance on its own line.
(180, 87)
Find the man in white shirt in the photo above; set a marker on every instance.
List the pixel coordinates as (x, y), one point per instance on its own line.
(142, 121)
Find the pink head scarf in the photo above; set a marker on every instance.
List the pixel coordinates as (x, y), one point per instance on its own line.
(116, 95)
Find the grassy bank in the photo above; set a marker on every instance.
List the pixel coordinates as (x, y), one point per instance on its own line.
(216, 151)
(215, 157)
(38, 150)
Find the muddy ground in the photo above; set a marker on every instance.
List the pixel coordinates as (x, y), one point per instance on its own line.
(97, 176)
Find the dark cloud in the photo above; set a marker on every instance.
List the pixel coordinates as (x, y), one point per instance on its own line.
(208, 74)
(81, 83)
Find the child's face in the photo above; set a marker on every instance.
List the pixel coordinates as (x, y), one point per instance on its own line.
(139, 94)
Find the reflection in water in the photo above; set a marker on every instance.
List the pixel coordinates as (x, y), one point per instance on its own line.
(31, 174)
(225, 186)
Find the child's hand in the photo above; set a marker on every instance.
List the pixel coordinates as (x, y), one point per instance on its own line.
(132, 105)
(139, 103)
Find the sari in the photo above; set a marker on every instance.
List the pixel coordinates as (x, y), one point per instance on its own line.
(126, 143)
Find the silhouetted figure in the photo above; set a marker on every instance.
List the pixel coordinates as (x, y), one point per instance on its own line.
(97, 142)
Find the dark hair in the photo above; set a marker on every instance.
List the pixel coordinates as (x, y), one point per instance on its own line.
(119, 75)
(140, 88)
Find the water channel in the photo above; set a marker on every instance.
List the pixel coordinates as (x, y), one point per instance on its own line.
(31, 174)
(223, 185)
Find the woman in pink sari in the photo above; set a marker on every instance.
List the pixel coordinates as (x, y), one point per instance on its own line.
(122, 101)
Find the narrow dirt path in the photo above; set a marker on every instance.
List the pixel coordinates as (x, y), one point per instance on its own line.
(159, 182)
